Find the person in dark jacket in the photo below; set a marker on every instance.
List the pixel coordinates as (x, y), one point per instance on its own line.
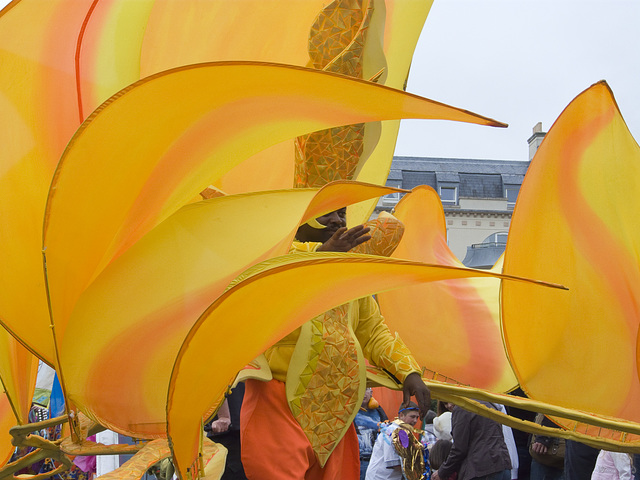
(579, 460)
(478, 451)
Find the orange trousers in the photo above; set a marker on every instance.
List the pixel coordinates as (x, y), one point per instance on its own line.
(274, 446)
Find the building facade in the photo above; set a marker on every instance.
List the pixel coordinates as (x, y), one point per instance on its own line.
(478, 197)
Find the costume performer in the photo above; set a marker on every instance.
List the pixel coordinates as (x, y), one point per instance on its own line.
(300, 424)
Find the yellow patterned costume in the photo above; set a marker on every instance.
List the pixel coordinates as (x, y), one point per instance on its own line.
(323, 366)
(322, 363)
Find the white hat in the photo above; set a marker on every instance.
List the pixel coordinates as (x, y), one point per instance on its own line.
(442, 426)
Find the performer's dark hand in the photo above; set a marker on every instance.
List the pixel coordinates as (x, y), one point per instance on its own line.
(344, 240)
(414, 386)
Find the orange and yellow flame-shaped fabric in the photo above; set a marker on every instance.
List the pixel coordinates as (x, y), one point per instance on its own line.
(575, 223)
(452, 327)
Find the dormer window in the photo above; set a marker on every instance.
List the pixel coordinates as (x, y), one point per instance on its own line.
(511, 194)
(449, 195)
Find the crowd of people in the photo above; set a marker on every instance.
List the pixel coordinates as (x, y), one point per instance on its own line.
(453, 445)
(461, 445)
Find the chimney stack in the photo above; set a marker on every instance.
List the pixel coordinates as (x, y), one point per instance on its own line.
(535, 140)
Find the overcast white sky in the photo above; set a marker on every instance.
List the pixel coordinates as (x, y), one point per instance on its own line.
(520, 62)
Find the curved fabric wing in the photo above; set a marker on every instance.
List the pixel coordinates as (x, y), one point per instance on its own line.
(49, 81)
(312, 283)
(451, 327)
(145, 301)
(576, 223)
(180, 33)
(109, 48)
(404, 23)
(74, 56)
(116, 181)
(38, 105)
(18, 370)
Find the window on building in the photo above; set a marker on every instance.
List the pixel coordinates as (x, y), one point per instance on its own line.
(511, 193)
(449, 195)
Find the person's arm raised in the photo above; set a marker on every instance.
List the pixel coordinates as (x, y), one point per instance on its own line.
(344, 240)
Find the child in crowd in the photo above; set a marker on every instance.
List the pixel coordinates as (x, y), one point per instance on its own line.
(439, 453)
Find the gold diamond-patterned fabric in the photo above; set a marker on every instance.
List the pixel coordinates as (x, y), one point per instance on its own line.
(336, 44)
(397, 358)
(326, 394)
(386, 233)
(337, 37)
(328, 155)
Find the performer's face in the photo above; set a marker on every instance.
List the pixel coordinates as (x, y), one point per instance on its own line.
(367, 396)
(333, 221)
(409, 416)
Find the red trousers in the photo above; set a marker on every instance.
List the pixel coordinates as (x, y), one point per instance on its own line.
(274, 446)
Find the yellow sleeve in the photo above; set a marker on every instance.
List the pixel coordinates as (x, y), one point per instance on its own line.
(279, 355)
(303, 247)
(379, 345)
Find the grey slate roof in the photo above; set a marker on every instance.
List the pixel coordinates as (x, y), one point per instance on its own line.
(413, 179)
(481, 185)
(444, 177)
(473, 177)
(460, 165)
